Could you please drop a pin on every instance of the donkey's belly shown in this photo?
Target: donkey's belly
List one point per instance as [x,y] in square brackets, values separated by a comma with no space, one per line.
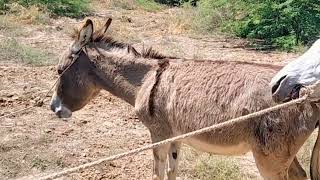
[231,149]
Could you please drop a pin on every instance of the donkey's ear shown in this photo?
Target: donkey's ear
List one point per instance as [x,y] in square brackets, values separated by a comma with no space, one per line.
[106,26]
[84,36]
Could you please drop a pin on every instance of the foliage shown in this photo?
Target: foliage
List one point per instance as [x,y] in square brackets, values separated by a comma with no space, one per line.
[213,14]
[176,2]
[3,5]
[149,5]
[282,23]
[70,8]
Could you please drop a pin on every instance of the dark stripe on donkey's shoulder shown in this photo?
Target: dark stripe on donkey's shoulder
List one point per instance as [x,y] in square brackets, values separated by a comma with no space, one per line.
[163,64]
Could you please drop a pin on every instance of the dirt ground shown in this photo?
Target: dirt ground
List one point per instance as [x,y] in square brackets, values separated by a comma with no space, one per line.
[37,142]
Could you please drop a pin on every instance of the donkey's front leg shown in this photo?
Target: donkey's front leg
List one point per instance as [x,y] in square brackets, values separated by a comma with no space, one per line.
[159,162]
[173,154]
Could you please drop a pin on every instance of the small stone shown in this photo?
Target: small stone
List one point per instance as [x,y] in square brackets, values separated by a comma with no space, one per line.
[112,164]
[67,132]
[84,121]
[10,95]
[59,28]
[2,100]
[38,103]
[47,130]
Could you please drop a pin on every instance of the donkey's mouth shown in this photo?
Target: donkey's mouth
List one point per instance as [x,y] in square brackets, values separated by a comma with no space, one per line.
[63,112]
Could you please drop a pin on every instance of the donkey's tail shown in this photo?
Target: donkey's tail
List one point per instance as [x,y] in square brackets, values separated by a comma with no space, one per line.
[315,159]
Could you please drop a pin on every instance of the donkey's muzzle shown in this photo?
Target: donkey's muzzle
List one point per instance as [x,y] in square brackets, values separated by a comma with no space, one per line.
[58,108]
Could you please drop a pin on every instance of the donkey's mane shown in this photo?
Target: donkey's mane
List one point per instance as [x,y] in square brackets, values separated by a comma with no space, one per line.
[100,37]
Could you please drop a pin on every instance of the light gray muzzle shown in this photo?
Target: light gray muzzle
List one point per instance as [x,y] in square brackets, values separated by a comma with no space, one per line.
[58,108]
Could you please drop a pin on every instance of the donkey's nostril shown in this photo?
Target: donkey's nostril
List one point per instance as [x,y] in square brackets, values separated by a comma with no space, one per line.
[59,113]
[276,86]
[52,107]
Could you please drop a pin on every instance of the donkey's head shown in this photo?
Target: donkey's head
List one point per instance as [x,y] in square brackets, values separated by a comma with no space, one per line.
[76,85]
[303,71]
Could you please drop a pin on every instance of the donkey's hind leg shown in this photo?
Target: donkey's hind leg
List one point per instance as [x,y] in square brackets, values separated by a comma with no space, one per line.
[296,172]
[271,167]
[174,154]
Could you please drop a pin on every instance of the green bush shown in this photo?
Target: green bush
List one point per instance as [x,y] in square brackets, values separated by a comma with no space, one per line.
[217,14]
[70,8]
[149,5]
[282,23]
[3,5]
[176,2]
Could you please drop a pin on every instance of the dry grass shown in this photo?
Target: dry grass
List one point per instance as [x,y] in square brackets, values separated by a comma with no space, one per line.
[219,168]
[15,162]
[11,49]
[21,22]
[127,4]
[10,28]
[14,22]
[204,166]
[144,5]
[31,15]
[17,24]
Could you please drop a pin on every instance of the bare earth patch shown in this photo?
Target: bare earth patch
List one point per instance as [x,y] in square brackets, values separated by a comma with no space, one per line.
[36,142]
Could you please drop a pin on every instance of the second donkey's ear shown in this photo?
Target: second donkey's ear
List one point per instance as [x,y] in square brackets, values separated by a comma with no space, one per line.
[106,26]
[84,36]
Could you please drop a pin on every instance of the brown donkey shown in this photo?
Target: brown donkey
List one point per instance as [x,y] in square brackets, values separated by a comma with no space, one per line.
[173,96]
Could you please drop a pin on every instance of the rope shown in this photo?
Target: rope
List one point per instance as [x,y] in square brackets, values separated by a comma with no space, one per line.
[170,140]
[41,102]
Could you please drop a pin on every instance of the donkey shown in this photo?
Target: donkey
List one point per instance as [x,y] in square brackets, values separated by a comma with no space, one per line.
[172,96]
[291,79]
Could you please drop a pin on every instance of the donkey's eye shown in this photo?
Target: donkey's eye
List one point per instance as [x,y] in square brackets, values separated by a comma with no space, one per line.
[60,71]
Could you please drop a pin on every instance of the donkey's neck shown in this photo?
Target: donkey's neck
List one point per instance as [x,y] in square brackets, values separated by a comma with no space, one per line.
[121,72]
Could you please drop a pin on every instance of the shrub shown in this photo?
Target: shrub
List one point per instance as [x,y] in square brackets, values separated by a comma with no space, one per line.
[149,5]
[3,5]
[213,14]
[282,23]
[176,2]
